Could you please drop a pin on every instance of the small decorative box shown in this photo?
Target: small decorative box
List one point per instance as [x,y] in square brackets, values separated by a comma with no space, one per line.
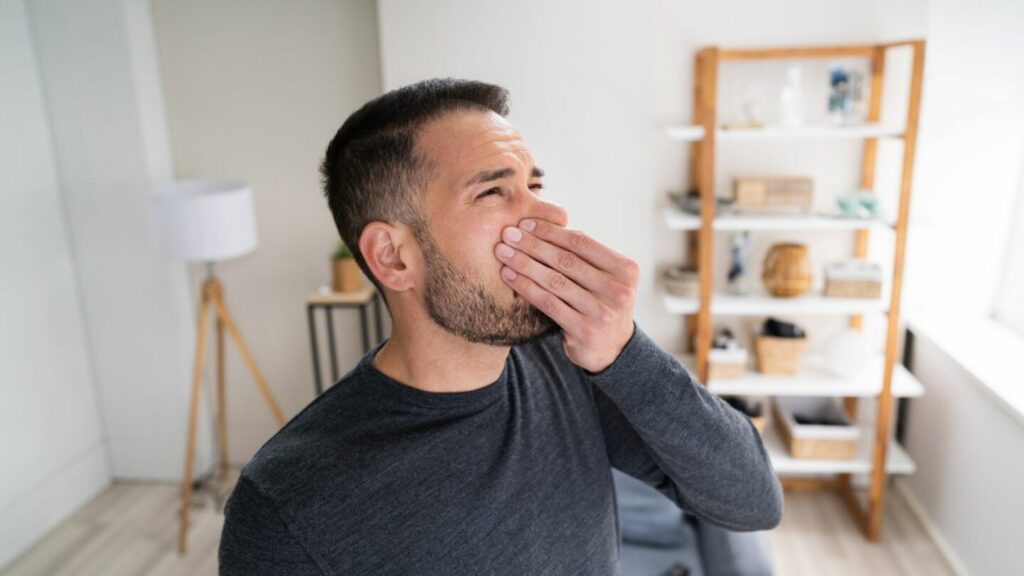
[757,192]
[853,279]
[727,362]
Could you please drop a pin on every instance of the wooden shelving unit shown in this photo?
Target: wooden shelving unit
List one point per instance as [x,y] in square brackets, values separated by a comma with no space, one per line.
[885,379]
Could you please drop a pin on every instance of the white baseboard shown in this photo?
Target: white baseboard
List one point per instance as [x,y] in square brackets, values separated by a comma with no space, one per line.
[933,531]
[51,502]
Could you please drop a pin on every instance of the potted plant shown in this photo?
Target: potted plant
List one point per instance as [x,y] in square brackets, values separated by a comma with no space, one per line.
[347,276]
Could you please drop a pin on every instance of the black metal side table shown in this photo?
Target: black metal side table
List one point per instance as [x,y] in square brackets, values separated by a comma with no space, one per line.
[362,299]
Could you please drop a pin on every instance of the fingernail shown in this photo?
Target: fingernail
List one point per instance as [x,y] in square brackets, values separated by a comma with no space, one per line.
[513,234]
[527,225]
[505,251]
[508,273]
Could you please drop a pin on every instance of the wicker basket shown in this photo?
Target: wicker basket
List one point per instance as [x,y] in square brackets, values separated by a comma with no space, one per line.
[815,441]
[853,279]
[787,270]
[840,288]
[778,355]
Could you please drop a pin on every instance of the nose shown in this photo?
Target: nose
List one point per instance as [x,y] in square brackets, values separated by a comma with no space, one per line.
[543,209]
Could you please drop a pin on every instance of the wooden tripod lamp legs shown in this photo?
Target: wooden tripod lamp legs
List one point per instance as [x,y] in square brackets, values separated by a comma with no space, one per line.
[213,295]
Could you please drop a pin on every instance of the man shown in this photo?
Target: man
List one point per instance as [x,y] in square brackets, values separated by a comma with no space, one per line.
[479,438]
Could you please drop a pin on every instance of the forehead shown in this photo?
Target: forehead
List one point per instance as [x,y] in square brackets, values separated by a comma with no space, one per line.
[461,143]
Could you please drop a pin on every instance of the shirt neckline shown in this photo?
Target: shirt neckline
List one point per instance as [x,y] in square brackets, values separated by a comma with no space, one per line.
[405,393]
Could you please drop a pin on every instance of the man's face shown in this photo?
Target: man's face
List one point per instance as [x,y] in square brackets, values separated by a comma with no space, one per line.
[483,179]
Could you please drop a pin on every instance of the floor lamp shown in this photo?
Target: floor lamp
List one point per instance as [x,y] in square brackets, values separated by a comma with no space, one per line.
[209,221]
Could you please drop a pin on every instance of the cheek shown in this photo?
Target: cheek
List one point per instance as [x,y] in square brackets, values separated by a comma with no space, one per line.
[479,245]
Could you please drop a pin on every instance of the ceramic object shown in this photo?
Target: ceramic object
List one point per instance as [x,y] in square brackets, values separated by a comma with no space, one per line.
[846,353]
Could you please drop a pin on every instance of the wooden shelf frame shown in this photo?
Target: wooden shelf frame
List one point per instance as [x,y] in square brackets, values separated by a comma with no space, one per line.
[704,136]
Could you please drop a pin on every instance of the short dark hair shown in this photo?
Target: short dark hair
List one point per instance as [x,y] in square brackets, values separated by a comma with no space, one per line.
[372,171]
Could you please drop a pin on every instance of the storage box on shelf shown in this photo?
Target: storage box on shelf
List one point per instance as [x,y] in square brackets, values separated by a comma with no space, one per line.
[853,279]
[883,377]
[817,440]
[778,355]
[772,192]
[727,363]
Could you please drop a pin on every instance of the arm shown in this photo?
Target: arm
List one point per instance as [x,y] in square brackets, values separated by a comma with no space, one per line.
[660,425]
[256,541]
[664,428]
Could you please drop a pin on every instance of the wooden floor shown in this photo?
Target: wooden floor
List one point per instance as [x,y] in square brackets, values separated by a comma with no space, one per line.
[130,529]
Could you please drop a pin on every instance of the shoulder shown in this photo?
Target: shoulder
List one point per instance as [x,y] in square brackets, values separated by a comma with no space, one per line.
[313,439]
[256,538]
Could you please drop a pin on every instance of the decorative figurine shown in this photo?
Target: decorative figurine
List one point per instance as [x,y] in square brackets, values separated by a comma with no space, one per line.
[739,247]
[840,93]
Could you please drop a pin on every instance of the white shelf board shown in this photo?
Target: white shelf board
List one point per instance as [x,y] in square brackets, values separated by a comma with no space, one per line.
[763,305]
[690,133]
[897,459]
[813,380]
[678,220]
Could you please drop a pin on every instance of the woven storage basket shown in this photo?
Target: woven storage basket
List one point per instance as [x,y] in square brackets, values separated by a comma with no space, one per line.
[778,355]
[815,441]
[853,279]
[841,288]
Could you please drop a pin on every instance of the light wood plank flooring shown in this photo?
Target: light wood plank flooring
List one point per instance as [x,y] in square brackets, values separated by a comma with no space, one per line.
[130,529]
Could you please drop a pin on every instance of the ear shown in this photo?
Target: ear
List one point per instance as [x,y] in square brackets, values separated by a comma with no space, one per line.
[391,253]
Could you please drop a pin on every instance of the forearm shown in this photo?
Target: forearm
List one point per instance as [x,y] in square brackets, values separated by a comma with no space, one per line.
[711,455]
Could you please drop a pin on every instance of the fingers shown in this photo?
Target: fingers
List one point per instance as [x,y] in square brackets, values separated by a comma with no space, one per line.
[562,261]
[549,279]
[545,301]
[577,242]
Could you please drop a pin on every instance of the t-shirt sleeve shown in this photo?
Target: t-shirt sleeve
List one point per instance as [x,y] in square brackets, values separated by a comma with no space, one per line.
[663,427]
[256,541]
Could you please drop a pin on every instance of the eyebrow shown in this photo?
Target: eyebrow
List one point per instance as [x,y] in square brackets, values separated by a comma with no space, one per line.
[498,174]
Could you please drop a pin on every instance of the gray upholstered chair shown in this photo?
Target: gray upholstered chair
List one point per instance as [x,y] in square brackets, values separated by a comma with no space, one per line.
[660,539]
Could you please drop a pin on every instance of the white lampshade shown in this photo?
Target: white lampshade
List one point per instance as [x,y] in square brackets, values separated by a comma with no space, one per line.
[205,220]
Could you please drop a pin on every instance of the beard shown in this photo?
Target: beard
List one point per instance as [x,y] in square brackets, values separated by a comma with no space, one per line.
[466,309]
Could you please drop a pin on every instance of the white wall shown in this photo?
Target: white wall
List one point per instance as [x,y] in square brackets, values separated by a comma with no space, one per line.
[98,70]
[967,443]
[967,446]
[971,157]
[255,91]
[52,452]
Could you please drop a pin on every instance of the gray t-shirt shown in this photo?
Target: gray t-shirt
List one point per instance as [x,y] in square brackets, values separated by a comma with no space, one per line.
[377,477]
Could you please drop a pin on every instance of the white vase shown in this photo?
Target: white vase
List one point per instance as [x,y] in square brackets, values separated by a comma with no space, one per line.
[846,352]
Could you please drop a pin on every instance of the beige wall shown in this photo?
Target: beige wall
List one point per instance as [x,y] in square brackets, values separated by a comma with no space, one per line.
[255,90]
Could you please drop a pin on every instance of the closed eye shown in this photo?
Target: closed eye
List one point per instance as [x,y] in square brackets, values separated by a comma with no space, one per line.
[536,187]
